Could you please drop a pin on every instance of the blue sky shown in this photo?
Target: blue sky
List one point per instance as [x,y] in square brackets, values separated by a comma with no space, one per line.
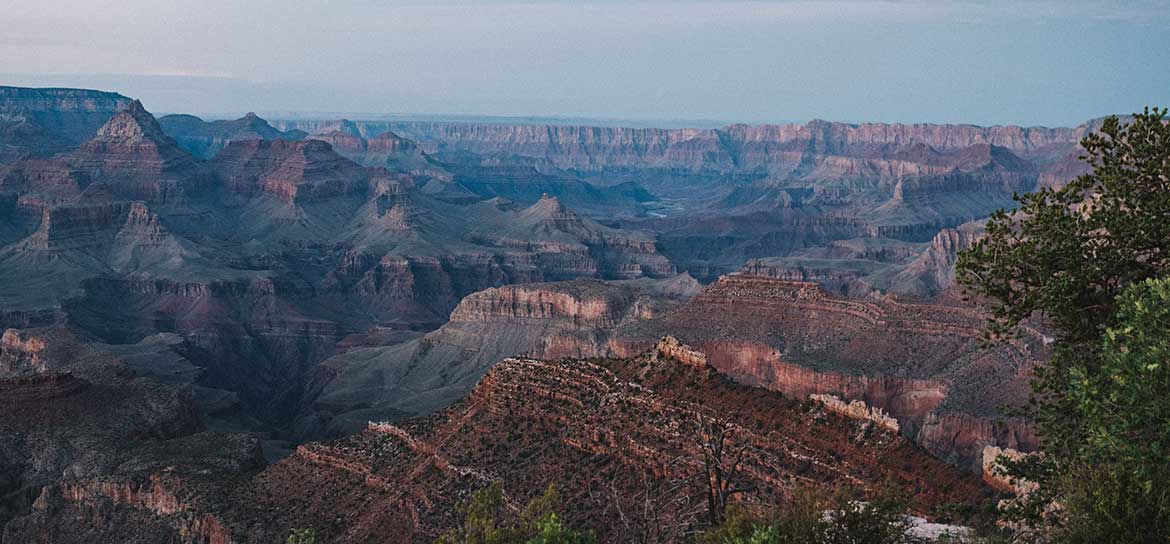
[983,62]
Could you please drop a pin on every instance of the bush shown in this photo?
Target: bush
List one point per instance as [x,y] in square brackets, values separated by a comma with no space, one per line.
[1111,503]
[550,530]
[486,521]
[302,536]
[812,518]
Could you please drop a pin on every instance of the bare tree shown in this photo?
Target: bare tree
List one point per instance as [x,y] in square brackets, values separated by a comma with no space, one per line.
[722,463]
[663,509]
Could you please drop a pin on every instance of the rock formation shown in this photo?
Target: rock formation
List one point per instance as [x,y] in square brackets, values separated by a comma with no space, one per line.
[919,363]
[630,423]
[164,278]
[80,431]
[41,122]
[551,320]
[857,409]
[135,159]
[205,139]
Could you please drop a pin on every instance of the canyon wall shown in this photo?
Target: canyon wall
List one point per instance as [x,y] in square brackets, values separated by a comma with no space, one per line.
[735,146]
[920,363]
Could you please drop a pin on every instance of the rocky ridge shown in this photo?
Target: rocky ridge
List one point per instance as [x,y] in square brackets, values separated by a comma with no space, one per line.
[920,364]
[628,422]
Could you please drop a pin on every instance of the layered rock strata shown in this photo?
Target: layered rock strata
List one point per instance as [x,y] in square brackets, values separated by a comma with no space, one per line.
[921,364]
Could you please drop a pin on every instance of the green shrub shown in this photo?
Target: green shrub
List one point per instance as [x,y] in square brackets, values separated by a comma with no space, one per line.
[486,521]
[302,536]
[813,518]
[550,530]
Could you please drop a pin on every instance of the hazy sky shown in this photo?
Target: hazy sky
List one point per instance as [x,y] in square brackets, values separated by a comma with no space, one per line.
[985,62]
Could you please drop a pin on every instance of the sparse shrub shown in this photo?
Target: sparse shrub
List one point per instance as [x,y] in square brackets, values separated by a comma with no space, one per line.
[882,520]
[487,521]
[302,536]
[550,530]
[813,518]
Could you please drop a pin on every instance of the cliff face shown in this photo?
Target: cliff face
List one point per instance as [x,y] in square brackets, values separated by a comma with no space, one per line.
[246,334]
[933,271]
[563,319]
[742,192]
[42,122]
[413,257]
[80,433]
[736,146]
[630,422]
[920,363]
[289,170]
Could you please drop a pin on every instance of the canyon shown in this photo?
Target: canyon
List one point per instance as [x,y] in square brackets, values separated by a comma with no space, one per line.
[220,330]
[601,430]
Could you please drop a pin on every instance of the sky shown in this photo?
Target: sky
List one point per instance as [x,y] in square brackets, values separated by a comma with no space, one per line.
[985,62]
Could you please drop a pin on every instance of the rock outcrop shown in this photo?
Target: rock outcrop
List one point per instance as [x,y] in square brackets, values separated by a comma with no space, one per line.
[933,272]
[857,409]
[135,159]
[670,348]
[42,122]
[552,320]
[79,431]
[921,364]
[289,170]
[993,471]
[205,139]
[631,423]
[735,146]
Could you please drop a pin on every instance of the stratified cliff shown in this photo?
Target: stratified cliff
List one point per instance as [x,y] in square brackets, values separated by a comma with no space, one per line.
[920,363]
[728,195]
[549,320]
[41,122]
[164,278]
[605,431]
[733,147]
[135,159]
[82,435]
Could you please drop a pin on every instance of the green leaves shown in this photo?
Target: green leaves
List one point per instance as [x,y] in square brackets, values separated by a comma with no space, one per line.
[1090,261]
[302,536]
[487,521]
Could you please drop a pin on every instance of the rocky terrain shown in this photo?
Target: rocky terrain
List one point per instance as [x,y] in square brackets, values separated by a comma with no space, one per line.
[718,197]
[546,320]
[922,364]
[86,425]
[41,122]
[605,431]
[188,306]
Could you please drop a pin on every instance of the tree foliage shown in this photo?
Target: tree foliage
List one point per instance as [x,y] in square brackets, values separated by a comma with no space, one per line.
[1065,257]
[302,536]
[815,518]
[486,520]
[1066,254]
[1119,486]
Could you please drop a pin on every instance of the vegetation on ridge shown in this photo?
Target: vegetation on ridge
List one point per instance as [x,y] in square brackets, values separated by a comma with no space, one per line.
[487,520]
[1091,261]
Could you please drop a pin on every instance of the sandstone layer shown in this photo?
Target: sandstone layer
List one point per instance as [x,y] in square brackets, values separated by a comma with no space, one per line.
[920,363]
